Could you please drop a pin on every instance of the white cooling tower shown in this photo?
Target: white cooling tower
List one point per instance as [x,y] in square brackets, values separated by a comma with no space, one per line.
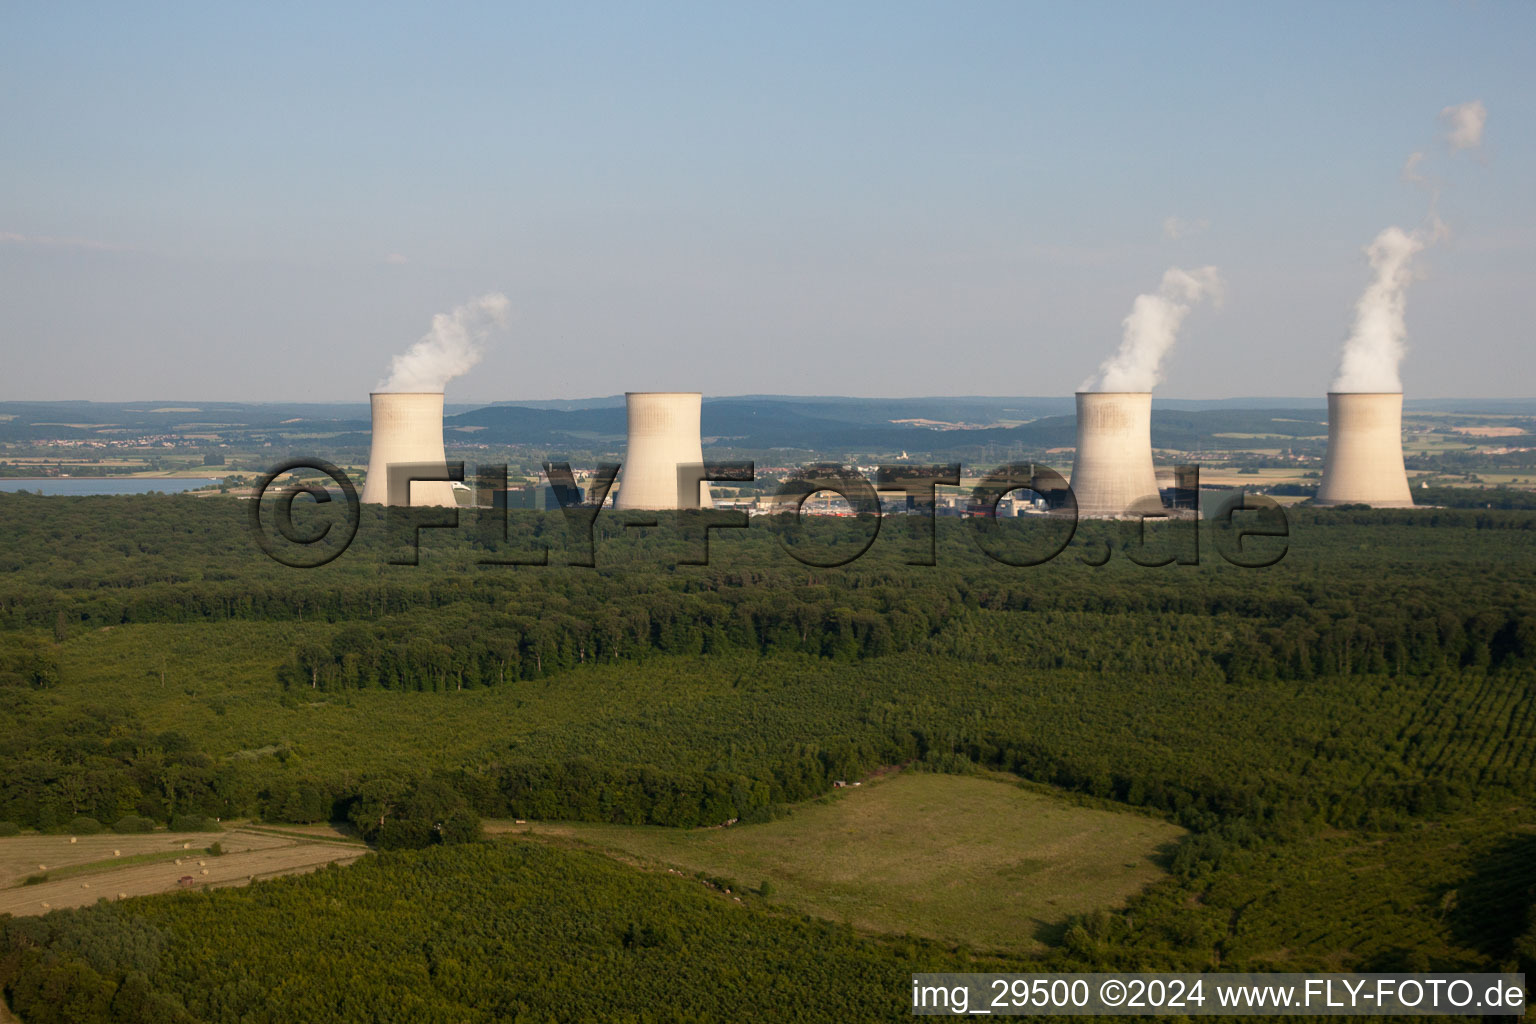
[1364,465]
[407,429]
[1112,470]
[663,435]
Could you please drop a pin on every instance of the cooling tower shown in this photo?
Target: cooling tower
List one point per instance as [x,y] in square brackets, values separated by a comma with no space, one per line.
[1364,465]
[663,435]
[407,429]
[1112,470]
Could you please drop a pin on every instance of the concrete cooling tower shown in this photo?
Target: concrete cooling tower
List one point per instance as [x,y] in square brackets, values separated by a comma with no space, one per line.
[663,435]
[1112,470]
[1364,465]
[407,429]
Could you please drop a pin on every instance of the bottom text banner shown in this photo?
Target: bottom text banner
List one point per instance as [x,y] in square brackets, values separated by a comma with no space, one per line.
[1224,994]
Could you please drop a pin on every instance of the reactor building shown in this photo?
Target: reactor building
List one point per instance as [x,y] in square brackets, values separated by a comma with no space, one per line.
[1364,464]
[1112,472]
[407,429]
[663,436]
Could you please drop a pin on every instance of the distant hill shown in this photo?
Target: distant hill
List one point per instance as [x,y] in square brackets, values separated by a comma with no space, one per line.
[868,425]
[827,424]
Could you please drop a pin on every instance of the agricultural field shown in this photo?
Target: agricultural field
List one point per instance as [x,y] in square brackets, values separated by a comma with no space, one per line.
[979,860]
[47,872]
[1228,476]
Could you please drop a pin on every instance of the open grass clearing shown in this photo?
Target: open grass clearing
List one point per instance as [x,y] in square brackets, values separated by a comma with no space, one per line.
[976,859]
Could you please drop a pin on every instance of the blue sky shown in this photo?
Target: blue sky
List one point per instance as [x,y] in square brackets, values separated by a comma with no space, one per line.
[268,202]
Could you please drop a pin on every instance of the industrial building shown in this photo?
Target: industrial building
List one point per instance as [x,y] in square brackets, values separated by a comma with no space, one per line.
[663,436]
[407,430]
[1364,464]
[1112,472]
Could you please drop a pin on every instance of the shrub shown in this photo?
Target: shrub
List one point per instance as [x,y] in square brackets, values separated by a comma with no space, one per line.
[460,827]
[1079,943]
[216,850]
[193,823]
[85,826]
[9,828]
[37,879]
[647,936]
[405,834]
[133,824]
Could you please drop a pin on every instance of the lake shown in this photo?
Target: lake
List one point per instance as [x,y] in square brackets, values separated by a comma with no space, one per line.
[105,484]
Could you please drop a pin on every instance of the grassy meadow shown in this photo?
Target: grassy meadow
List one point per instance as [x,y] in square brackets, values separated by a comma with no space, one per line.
[980,860]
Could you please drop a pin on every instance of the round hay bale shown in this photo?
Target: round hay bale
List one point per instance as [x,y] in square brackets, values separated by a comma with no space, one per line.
[178,862]
[204,871]
[122,895]
[186,846]
[42,867]
[45,906]
[73,839]
[85,885]
[117,853]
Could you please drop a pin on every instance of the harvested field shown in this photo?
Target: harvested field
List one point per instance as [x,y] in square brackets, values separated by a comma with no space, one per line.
[1489,431]
[82,872]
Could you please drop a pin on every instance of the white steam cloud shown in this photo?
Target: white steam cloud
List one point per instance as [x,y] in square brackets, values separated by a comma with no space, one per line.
[1373,354]
[455,343]
[1152,328]
[1377,342]
[1464,124]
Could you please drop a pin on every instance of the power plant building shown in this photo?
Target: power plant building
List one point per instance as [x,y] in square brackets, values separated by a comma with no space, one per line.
[1112,472]
[407,430]
[663,436]
[1364,464]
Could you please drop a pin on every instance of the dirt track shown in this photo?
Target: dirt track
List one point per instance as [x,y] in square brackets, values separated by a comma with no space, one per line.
[247,854]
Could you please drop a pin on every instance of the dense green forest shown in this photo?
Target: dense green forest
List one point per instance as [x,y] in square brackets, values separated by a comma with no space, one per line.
[1361,713]
[1358,619]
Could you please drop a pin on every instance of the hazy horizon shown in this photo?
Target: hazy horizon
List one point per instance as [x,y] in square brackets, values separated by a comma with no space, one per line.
[1319,400]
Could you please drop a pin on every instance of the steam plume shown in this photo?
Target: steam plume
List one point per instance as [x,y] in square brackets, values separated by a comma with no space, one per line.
[1376,344]
[1152,328]
[1374,352]
[454,344]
